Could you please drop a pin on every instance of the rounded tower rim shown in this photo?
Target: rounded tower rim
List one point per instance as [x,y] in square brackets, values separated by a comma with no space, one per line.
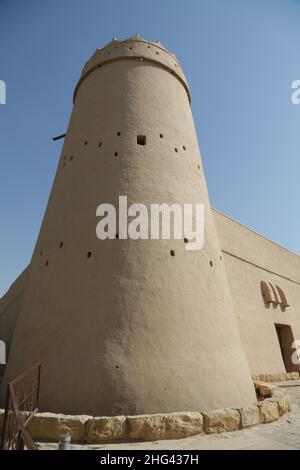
[151,52]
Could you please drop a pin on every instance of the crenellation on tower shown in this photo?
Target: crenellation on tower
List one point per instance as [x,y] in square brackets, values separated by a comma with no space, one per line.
[134,48]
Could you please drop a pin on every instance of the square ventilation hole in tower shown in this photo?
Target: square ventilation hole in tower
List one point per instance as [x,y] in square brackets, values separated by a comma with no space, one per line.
[141,140]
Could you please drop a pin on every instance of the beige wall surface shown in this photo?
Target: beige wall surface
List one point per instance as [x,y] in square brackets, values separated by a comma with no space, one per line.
[130,328]
[10,305]
[249,259]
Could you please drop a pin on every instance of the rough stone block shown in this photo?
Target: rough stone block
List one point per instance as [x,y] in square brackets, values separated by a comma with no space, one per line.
[106,429]
[226,419]
[268,411]
[180,425]
[249,416]
[49,426]
[283,404]
[294,375]
[146,427]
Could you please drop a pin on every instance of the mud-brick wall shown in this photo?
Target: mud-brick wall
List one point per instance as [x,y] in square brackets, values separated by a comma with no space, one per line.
[250,259]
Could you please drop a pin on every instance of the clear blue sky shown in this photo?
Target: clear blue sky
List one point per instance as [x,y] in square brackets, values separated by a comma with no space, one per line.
[239,56]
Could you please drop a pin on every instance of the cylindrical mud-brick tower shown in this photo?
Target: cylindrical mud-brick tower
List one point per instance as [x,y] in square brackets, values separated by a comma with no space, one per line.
[124,326]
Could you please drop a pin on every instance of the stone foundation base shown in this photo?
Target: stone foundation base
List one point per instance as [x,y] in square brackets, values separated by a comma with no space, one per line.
[150,427]
[276,377]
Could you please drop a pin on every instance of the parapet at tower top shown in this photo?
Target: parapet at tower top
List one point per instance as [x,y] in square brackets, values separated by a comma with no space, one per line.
[135,48]
[135,38]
